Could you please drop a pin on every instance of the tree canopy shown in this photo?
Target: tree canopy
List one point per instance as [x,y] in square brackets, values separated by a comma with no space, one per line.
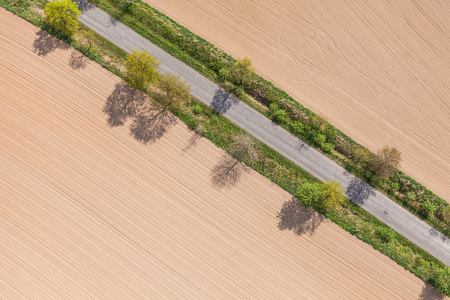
[241,72]
[386,160]
[310,194]
[140,69]
[244,147]
[62,16]
[175,90]
[333,194]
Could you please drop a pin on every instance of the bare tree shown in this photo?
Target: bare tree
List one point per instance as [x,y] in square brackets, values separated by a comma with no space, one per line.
[386,160]
[244,147]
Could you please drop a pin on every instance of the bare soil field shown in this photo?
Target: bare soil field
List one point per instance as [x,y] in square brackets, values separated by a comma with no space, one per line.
[89,212]
[378,70]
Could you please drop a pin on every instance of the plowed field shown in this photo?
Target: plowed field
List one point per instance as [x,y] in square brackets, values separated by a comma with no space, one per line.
[89,212]
[378,70]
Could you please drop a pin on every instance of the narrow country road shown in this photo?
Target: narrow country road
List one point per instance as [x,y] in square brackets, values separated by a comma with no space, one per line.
[276,137]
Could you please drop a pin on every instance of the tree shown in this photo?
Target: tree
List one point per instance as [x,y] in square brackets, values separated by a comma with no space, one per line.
[310,194]
[140,69]
[174,89]
[244,147]
[386,160]
[333,194]
[241,72]
[62,16]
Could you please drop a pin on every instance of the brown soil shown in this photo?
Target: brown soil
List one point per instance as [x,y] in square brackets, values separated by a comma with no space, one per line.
[378,70]
[88,212]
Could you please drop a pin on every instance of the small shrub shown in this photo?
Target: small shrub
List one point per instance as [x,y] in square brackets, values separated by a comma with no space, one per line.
[319,139]
[423,264]
[197,109]
[395,186]
[331,133]
[386,234]
[327,148]
[428,208]
[441,279]
[281,117]
[224,74]
[297,127]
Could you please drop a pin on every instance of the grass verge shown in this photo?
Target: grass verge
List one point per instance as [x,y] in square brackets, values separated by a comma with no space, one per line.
[271,164]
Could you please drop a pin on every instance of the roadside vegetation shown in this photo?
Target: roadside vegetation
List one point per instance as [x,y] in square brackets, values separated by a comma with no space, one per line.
[172,95]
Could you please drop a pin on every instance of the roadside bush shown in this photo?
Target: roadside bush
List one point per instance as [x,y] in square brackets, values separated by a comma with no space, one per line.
[319,139]
[441,280]
[224,74]
[331,133]
[198,109]
[386,234]
[297,127]
[281,117]
[428,208]
[327,148]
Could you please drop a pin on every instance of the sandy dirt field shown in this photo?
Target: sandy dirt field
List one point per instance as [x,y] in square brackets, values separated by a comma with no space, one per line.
[89,212]
[379,70]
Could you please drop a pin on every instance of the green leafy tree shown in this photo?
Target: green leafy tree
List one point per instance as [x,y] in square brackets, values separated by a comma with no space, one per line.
[241,71]
[140,69]
[62,16]
[333,194]
[174,90]
[310,194]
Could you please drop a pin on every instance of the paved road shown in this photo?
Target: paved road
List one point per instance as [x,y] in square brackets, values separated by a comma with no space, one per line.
[276,137]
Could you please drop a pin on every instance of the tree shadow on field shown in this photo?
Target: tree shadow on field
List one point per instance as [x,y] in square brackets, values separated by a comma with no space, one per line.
[124,102]
[222,101]
[430,293]
[46,43]
[358,191]
[298,218]
[78,60]
[150,124]
[192,141]
[227,172]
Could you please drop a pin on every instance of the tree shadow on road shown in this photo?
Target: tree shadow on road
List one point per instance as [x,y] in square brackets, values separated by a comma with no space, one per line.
[227,172]
[150,124]
[222,101]
[124,102]
[46,43]
[430,293]
[358,191]
[298,218]
[78,60]
[441,236]
[84,5]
